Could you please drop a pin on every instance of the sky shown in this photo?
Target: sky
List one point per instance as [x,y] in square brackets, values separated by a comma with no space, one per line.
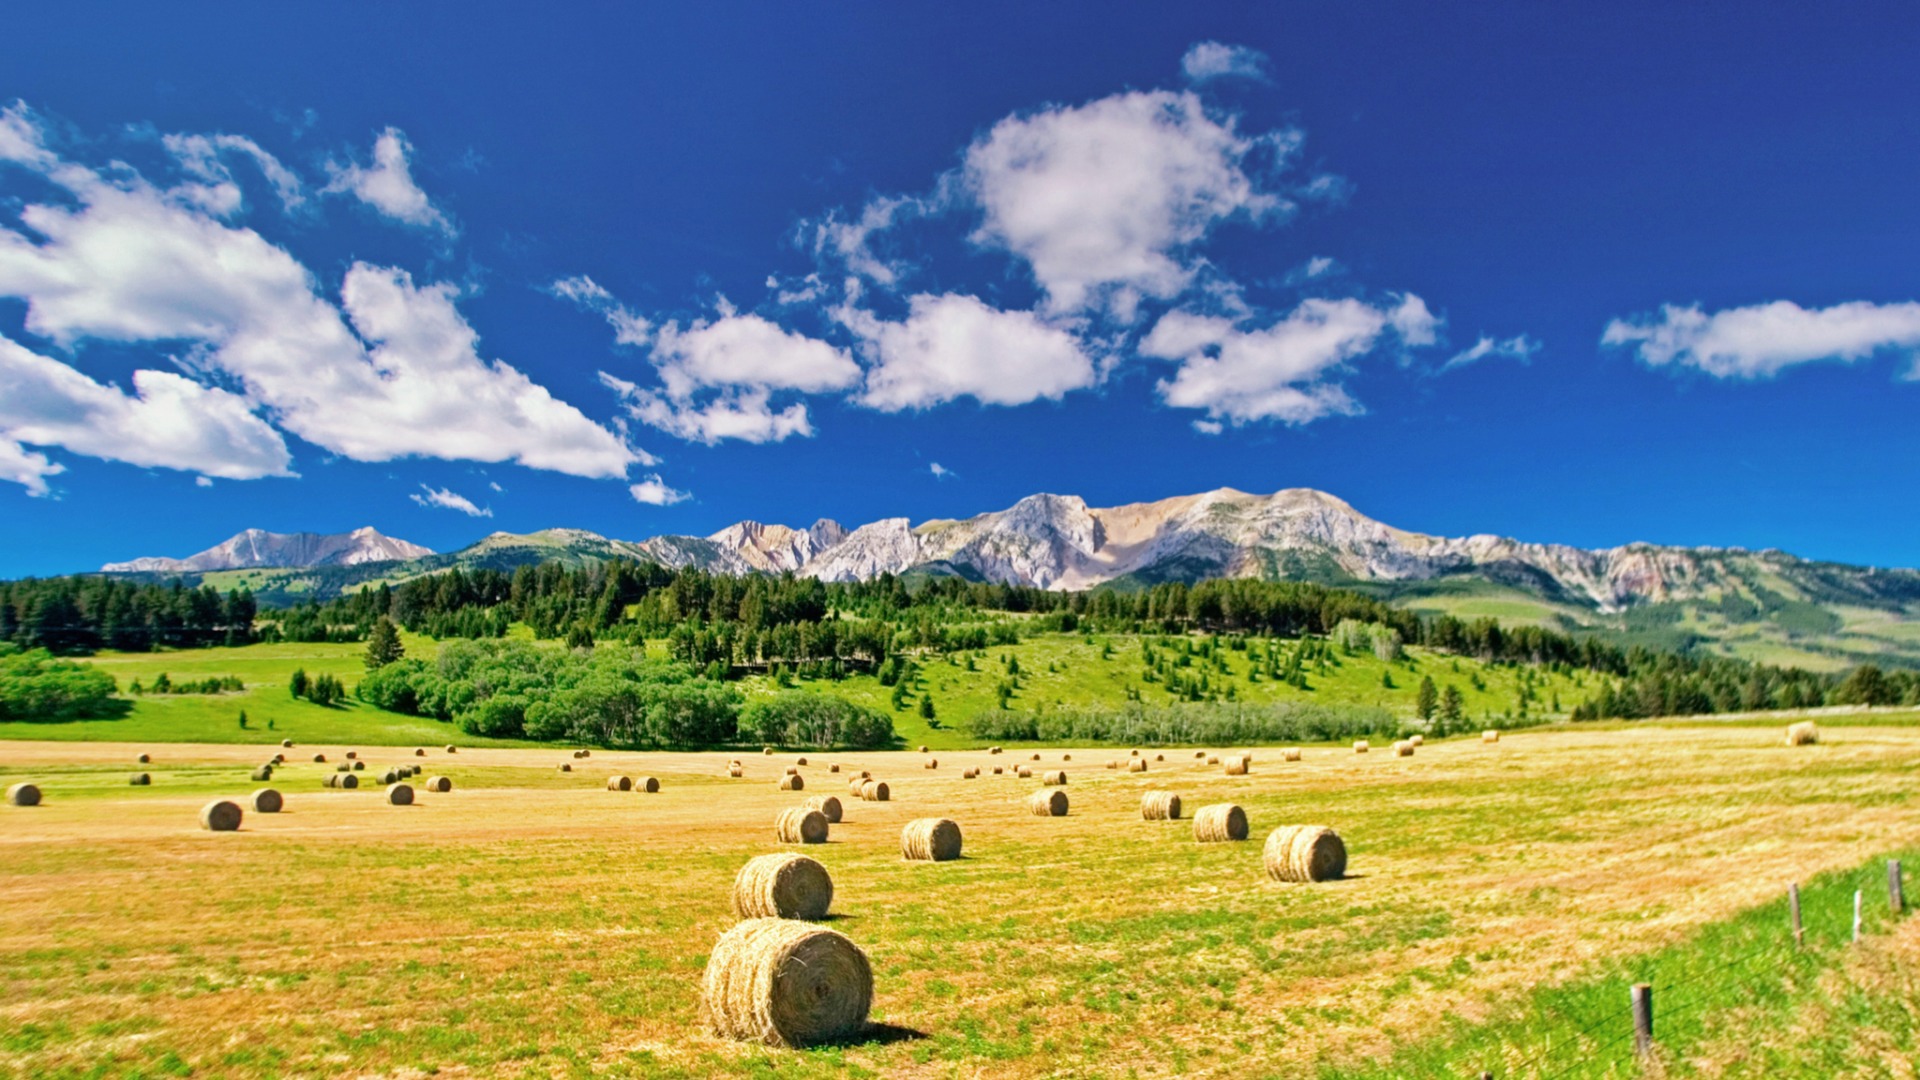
[1575,273]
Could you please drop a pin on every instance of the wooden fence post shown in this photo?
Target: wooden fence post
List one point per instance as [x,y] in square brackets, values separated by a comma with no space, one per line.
[1642,1019]
[1896,892]
[1793,908]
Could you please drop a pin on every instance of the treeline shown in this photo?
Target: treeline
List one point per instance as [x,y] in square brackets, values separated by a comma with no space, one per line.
[612,695]
[165,684]
[1222,724]
[72,616]
[1662,684]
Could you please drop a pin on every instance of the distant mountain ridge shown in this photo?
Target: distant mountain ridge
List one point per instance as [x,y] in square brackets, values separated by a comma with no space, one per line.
[254,548]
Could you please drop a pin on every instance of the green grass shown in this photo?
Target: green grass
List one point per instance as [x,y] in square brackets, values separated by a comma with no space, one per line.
[1743,973]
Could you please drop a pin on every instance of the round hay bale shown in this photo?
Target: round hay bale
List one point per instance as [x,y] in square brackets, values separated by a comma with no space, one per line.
[1219,823]
[586,753]
[1417,739]
[876,791]
[332,780]
[799,825]
[1804,733]
[1213,759]
[1360,746]
[1160,806]
[1237,766]
[799,761]
[319,758]
[969,774]
[1200,754]
[1113,764]
[351,754]
[1133,753]
[619,783]
[439,784]
[835,767]
[1159,757]
[264,772]
[1036,757]
[767,750]
[1291,753]
[286,744]
[343,767]
[220,816]
[997,770]
[923,748]
[566,766]
[1066,757]
[735,771]
[785,885]
[399,794]
[347,781]
[1305,853]
[781,982]
[828,805]
[793,770]
[993,749]
[142,759]
[1056,778]
[865,775]
[140,779]
[648,784]
[1403,748]
[452,749]
[392,776]
[266,801]
[1138,764]
[793,782]
[931,763]
[1048,802]
[1024,772]
[854,784]
[419,751]
[359,765]
[279,759]
[23,795]
[930,840]
[1489,735]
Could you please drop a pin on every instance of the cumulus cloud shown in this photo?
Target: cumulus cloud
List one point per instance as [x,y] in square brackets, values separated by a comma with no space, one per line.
[124,261]
[628,328]
[1763,340]
[387,185]
[743,413]
[952,346]
[1213,60]
[1519,347]
[1286,371]
[1104,200]
[654,491]
[215,190]
[449,500]
[18,465]
[169,421]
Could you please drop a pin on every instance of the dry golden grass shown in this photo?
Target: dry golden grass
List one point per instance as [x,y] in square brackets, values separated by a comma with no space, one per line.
[518,925]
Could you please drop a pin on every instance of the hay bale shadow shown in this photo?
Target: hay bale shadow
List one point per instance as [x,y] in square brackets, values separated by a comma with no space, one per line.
[886,1035]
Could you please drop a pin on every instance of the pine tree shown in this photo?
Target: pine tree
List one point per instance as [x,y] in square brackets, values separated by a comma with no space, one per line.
[1426,699]
[926,707]
[298,684]
[383,644]
[1452,705]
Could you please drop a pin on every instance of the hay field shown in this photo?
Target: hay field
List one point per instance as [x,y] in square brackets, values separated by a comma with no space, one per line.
[532,923]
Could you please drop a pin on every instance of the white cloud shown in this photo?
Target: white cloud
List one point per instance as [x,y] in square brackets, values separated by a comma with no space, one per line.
[1213,60]
[449,500]
[747,350]
[125,262]
[746,414]
[495,485]
[628,328]
[167,422]
[203,481]
[18,465]
[654,491]
[202,158]
[851,241]
[1284,371]
[939,471]
[387,184]
[1209,427]
[1763,340]
[1104,200]
[953,346]
[1519,347]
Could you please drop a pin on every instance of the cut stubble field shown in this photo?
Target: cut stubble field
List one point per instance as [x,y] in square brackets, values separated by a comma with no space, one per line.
[530,922]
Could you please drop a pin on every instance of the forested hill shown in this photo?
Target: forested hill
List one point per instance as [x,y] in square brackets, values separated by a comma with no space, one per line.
[726,625]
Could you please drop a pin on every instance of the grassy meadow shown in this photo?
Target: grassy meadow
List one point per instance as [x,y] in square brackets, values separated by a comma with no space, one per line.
[1056,670]
[1500,899]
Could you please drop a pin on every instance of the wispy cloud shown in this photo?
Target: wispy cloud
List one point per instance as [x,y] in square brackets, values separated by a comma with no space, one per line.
[940,472]
[387,185]
[1763,340]
[1213,60]
[1519,347]
[654,491]
[449,500]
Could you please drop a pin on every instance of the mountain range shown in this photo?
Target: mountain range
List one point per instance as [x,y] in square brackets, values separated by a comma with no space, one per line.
[1759,600]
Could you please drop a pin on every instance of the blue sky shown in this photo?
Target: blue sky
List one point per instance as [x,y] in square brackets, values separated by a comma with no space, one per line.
[1575,273]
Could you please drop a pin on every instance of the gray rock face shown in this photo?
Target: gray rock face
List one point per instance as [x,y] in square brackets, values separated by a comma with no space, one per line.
[259,548]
